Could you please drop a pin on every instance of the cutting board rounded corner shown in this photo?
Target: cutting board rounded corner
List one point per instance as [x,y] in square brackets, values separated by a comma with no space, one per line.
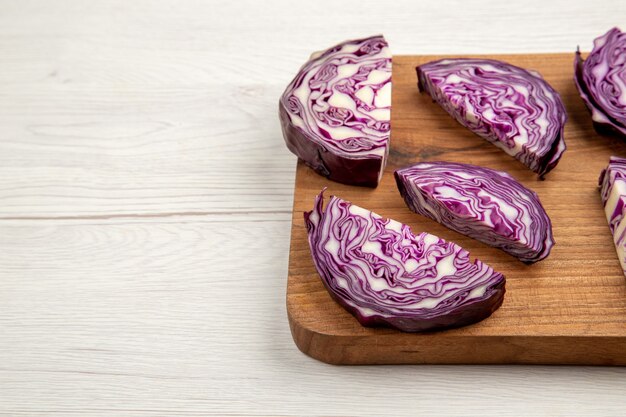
[316,345]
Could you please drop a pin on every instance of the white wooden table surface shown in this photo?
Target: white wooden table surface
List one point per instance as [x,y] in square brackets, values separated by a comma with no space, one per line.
[145,196]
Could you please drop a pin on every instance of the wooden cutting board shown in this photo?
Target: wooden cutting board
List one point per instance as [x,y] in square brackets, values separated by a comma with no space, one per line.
[567,309]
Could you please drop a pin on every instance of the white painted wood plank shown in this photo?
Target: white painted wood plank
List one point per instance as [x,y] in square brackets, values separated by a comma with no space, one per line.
[108,101]
[144,318]
[149,151]
[145,198]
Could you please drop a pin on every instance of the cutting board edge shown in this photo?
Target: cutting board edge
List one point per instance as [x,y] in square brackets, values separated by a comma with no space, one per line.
[432,349]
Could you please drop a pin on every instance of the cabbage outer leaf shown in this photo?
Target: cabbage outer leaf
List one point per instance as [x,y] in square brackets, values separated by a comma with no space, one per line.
[613,193]
[383,274]
[513,108]
[601,82]
[488,205]
[335,114]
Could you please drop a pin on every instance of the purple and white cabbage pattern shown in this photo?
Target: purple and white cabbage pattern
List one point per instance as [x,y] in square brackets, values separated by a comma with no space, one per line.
[383,274]
[487,205]
[601,81]
[513,108]
[336,112]
[613,193]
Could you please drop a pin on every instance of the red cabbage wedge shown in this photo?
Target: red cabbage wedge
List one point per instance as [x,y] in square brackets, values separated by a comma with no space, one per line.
[335,114]
[384,275]
[487,205]
[513,108]
[601,81]
[613,194]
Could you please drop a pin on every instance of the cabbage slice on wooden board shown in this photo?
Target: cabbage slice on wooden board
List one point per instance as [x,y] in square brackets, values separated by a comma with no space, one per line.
[335,114]
[487,205]
[601,82]
[384,275]
[513,108]
[613,193]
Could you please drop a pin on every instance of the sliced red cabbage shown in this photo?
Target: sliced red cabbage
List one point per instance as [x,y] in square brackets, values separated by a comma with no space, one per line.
[383,274]
[487,205]
[335,114]
[513,108]
[613,193]
[601,81]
